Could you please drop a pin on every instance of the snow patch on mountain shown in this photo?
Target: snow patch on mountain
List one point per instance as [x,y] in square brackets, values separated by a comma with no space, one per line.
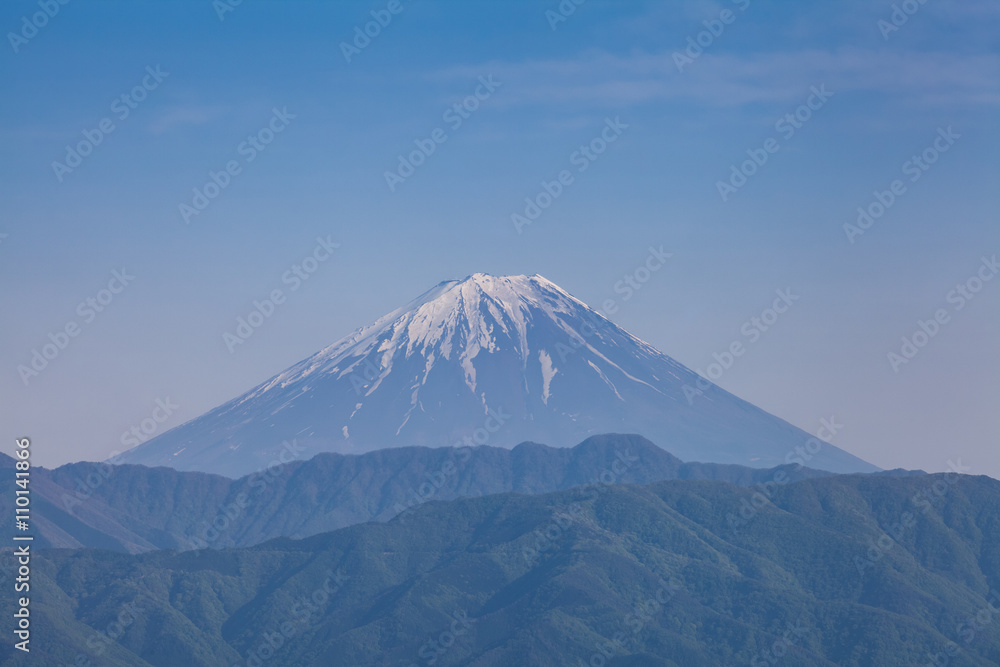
[548,372]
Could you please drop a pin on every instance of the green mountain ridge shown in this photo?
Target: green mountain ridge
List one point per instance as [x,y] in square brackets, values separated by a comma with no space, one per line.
[134,509]
[845,570]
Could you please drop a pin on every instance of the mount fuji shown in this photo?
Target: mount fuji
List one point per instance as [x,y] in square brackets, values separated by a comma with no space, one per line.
[484,360]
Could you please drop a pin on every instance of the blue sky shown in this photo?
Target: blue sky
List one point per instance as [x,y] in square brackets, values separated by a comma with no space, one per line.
[345,124]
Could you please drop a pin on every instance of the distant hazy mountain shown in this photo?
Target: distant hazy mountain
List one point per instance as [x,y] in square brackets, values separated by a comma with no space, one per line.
[843,570]
[134,508]
[490,360]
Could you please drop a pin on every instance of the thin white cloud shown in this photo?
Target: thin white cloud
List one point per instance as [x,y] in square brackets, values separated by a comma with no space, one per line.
[184,115]
[603,79]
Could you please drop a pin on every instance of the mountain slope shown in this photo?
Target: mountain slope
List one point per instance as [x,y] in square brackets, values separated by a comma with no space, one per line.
[133,508]
[497,360]
[653,575]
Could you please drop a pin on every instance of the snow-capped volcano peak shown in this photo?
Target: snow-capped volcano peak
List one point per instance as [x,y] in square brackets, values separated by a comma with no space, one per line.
[487,359]
[457,320]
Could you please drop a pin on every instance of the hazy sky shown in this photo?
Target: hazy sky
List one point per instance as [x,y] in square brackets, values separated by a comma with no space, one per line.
[278,72]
